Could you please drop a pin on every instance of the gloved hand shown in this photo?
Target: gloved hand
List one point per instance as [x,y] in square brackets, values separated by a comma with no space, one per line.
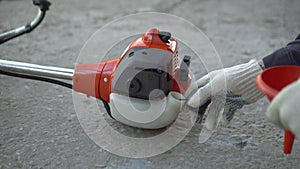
[284,110]
[240,90]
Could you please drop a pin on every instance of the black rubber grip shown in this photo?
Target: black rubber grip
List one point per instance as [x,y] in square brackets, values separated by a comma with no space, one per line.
[43,4]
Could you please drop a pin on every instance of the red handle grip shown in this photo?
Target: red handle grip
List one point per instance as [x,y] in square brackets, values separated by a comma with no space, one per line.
[288,141]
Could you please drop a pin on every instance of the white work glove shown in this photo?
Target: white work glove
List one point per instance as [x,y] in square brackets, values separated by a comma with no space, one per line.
[240,90]
[284,110]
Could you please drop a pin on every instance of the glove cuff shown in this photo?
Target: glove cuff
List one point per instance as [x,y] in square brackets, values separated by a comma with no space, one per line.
[245,75]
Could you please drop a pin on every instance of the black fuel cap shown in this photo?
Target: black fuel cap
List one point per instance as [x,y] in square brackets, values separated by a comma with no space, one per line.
[164,36]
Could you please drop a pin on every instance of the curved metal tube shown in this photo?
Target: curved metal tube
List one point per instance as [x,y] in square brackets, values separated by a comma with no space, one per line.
[23,29]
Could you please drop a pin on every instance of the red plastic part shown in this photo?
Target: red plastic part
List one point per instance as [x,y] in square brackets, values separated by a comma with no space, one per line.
[180,86]
[86,79]
[95,79]
[288,142]
[106,78]
[151,39]
[271,81]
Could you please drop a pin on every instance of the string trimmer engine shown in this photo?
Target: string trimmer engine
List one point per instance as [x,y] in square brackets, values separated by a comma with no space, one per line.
[144,87]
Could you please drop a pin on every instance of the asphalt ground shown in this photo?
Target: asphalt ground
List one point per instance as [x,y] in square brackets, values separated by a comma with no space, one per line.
[38,124]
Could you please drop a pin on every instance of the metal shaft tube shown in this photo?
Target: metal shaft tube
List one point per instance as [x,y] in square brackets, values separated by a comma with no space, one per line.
[34,69]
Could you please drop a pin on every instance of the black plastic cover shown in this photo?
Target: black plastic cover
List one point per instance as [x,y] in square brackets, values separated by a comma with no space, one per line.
[141,72]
